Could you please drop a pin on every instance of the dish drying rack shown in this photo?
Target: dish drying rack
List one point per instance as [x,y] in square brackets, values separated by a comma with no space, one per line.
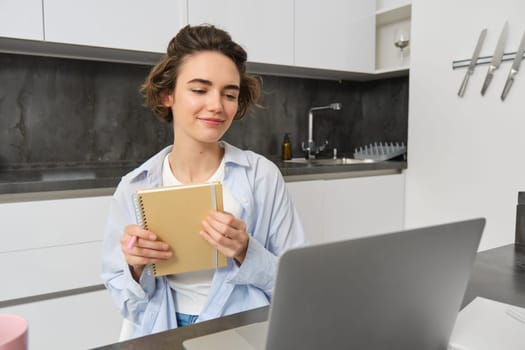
[379,151]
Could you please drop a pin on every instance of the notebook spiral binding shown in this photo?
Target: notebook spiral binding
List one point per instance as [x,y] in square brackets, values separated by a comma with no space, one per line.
[141,218]
[139,210]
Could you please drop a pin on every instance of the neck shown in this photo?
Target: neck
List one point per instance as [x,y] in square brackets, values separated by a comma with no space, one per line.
[195,163]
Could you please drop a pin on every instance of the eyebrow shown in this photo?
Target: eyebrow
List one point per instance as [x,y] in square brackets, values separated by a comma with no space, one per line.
[207,82]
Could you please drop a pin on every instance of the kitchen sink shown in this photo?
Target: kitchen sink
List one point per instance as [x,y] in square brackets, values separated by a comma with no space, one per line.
[328,161]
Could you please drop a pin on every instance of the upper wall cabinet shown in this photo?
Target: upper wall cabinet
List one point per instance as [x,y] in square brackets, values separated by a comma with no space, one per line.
[335,34]
[393,18]
[122,24]
[263,28]
[21,19]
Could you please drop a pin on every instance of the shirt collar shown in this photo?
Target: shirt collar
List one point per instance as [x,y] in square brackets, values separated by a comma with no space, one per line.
[234,155]
[152,168]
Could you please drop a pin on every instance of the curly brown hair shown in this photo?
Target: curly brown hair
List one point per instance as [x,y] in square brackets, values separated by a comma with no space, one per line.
[190,40]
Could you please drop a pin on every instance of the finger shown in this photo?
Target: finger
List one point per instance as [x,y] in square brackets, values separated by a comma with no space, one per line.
[231,227]
[128,242]
[152,245]
[137,256]
[233,249]
[140,260]
[140,256]
[218,226]
[219,237]
[143,250]
[228,219]
[150,253]
[135,230]
[224,249]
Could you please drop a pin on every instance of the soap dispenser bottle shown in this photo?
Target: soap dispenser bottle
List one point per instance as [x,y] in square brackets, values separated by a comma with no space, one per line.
[286,148]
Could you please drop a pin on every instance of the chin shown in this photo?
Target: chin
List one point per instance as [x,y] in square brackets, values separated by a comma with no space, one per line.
[210,139]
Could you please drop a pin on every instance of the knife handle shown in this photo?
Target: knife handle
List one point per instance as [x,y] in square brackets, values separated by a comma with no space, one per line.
[488,79]
[508,83]
[463,86]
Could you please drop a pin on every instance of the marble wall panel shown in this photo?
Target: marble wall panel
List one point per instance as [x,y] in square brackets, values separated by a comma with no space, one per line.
[56,111]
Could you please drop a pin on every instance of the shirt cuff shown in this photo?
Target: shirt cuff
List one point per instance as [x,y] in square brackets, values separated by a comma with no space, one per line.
[146,285]
[258,267]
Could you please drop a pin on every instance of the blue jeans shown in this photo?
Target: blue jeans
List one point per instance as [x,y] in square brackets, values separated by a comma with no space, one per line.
[185,319]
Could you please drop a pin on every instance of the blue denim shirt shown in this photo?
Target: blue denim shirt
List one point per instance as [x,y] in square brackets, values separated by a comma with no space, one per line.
[271,221]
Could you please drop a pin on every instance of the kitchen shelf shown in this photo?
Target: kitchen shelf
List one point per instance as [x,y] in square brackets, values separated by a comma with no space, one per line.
[392,72]
[393,14]
[387,55]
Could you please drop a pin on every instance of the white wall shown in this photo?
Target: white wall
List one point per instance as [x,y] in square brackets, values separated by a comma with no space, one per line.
[466,155]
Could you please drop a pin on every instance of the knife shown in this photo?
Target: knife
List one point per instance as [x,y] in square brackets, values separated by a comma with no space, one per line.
[515,68]
[496,58]
[473,61]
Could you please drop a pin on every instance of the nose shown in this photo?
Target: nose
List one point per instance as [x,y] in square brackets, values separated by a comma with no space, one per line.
[214,102]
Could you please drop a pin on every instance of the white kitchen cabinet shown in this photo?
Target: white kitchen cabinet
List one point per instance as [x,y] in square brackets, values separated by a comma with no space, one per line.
[123,24]
[64,236]
[391,17]
[21,19]
[82,321]
[309,199]
[340,209]
[335,34]
[263,28]
[50,270]
[363,206]
[52,247]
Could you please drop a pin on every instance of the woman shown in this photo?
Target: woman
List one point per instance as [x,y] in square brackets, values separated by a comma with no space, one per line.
[201,85]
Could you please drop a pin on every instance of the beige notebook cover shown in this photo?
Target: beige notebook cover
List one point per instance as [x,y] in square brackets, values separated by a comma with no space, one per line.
[174,214]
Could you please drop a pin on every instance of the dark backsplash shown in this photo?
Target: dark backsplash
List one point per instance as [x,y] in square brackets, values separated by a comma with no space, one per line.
[375,111]
[57,112]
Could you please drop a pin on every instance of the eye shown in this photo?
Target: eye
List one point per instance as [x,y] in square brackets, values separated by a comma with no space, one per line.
[198,91]
[231,96]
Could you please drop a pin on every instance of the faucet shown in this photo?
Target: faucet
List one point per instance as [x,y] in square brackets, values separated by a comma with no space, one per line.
[311,150]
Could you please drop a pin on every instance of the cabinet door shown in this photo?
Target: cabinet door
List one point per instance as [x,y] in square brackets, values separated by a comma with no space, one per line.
[364,206]
[332,210]
[123,24]
[308,197]
[263,28]
[21,19]
[335,34]
[81,321]
[64,236]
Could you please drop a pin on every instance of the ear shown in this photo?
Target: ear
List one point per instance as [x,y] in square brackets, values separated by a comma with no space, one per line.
[166,98]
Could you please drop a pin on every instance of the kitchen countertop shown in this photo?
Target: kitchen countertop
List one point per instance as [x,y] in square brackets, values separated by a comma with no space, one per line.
[103,179]
[292,170]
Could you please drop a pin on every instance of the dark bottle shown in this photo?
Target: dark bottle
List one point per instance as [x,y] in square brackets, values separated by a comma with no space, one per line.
[286,148]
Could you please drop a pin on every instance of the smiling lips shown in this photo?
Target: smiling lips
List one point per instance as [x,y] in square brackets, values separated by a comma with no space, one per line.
[211,121]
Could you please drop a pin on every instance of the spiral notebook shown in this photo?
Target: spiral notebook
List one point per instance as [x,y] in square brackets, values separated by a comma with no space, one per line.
[175,214]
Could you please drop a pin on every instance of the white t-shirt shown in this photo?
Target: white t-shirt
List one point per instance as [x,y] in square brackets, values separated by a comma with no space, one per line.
[192,288]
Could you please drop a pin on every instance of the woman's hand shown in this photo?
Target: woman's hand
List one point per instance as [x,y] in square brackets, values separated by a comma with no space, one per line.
[146,249]
[226,233]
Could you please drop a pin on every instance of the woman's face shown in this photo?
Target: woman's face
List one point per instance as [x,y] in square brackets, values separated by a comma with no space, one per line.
[205,99]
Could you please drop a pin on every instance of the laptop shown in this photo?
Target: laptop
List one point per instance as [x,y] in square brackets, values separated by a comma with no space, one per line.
[400,290]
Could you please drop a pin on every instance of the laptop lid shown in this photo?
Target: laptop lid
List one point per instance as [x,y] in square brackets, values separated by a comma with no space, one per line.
[401,290]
